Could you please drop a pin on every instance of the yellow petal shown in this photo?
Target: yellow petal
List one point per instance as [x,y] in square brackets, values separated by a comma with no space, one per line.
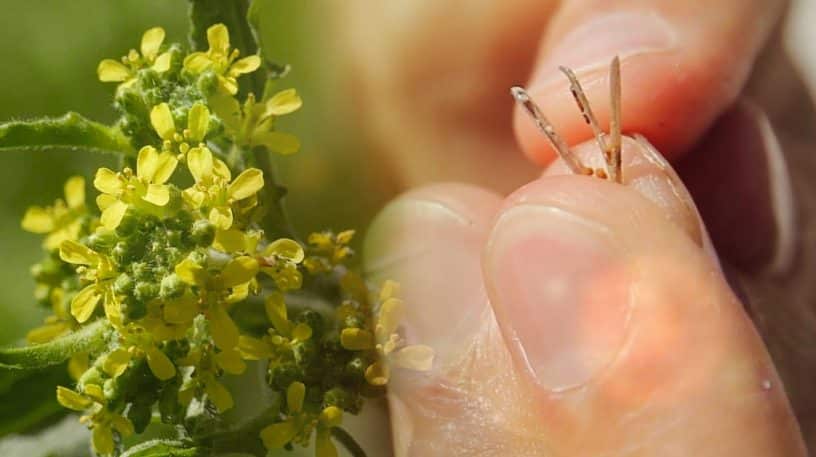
[47,332]
[284,102]
[75,191]
[218,394]
[228,84]
[277,435]
[389,289]
[282,143]
[194,197]
[157,194]
[287,249]
[276,312]
[113,309]
[72,400]
[162,62]
[324,447]
[230,361]
[198,121]
[78,254]
[166,166]
[191,272]
[221,170]
[151,42]
[331,416]
[389,318]
[246,65]
[107,181]
[356,339]
[254,348]
[246,184]
[197,62]
[232,240]
[122,425]
[38,220]
[147,162]
[102,439]
[221,217]
[84,303]
[227,109]
[416,357]
[377,374]
[103,201]
[116,362]
[239,271]
[200,163]
[78,365]
[162,120]
[159,363]
[301,332]
[295,394]
[345,237]
[110,70]
[218,39]
[181,310]
[113,214]
[223,329]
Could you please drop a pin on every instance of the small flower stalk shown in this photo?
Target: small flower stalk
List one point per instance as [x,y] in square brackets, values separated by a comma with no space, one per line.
[174,258]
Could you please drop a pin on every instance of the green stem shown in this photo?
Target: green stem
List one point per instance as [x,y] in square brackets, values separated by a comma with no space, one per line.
[348,442]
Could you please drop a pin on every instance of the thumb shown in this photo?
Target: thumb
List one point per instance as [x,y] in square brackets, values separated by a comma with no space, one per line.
[683,63]
[623,326]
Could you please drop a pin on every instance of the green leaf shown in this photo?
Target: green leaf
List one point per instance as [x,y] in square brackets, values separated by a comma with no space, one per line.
[70,131]
[163,448]
[29,399]
[91,338]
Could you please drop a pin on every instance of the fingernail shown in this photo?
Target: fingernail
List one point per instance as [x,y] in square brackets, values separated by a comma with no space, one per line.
[562,290]
[432,249]
[592,45]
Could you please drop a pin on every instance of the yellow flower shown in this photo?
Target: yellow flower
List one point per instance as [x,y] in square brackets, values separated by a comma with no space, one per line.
[110,70]
[298,425]
[328,250]
[218,290]
[100,419]
[147,185]
[221,60]
[280,261]
[285,331]
[214,191]
[391,348]
[207,364]
[100,272]
[63,220]
[137,344]
[254,124]
[198,123]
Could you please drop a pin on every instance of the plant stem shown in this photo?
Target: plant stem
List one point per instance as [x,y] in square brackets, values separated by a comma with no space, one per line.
[348,442]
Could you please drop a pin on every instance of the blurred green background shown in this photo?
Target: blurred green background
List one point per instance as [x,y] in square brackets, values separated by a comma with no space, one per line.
[49,56]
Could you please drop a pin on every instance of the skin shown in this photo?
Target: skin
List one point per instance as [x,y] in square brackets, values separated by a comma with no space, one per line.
[571,316]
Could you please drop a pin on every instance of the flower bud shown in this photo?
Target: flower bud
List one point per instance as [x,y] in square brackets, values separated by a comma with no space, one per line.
[171,286]
[124,284]
[202,233]
[145,291]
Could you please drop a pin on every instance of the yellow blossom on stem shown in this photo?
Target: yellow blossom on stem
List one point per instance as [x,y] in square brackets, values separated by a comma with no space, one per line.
[254,123]
[99,418]
[221,60]
[285,331]
[146,188]
[218,289]
[137,344]
[124,71]
[198,123]
[389,345]
[208,366]
[280,260]
[213,190]
[328,250]
[61,221]
[97,269]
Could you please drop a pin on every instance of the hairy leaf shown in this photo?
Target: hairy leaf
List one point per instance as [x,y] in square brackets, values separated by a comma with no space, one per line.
[163,448]
[91,338]
[71,131]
